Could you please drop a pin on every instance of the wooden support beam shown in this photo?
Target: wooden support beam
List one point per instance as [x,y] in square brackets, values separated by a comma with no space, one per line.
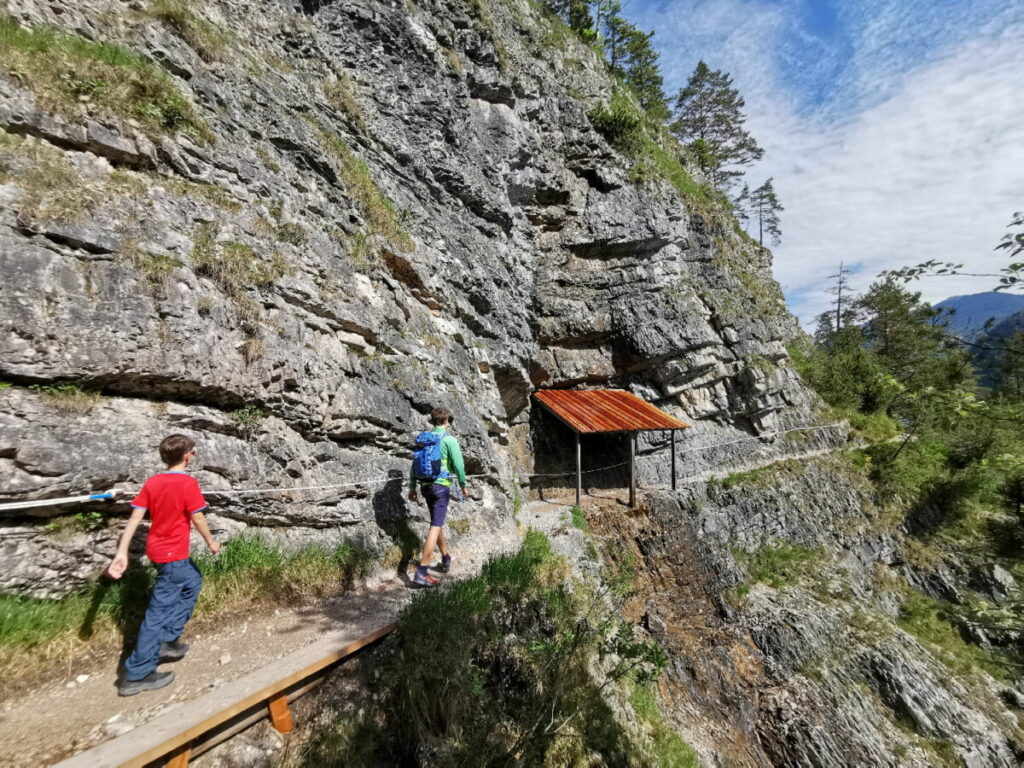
[280,715]
[632,470]
[673,459]
[579,471]
[179,757]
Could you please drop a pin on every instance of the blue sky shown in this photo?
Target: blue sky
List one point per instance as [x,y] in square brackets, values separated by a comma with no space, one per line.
[894,129]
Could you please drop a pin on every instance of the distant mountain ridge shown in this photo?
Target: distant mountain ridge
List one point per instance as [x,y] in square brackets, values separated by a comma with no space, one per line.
[968,314]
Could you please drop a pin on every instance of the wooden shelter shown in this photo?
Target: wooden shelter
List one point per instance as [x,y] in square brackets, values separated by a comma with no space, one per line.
[609,411]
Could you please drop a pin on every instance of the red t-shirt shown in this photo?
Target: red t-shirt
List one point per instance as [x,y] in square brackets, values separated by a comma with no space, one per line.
[171,499]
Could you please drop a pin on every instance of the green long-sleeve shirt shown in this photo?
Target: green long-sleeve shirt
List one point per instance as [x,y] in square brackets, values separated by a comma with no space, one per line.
[451,461]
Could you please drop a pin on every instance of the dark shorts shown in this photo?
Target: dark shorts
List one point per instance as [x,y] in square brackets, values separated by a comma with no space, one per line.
[437,497]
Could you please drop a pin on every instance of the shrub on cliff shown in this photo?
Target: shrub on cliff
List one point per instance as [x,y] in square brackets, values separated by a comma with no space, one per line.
[514,667]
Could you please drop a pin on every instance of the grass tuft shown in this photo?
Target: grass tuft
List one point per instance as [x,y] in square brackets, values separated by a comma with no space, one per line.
[207,39]
[248,570]
[81,78]
[670,750]
[69,399]
[340,94]
[777,565]
[504,676]
[381,217]
[233,266]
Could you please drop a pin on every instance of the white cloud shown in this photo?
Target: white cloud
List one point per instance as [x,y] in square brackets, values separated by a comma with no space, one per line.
[911,160]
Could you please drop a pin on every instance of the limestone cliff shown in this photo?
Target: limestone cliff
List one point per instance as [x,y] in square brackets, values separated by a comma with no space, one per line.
[290,229]
[348,213]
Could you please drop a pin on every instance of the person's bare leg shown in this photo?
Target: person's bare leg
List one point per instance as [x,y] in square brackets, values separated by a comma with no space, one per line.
[442,542]
[429,544]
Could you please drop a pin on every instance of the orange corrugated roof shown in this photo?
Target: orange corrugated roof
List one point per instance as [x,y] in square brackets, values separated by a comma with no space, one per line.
[605,410]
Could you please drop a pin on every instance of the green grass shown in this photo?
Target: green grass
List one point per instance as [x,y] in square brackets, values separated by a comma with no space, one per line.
[248,570]
[670,750]
[380,214]
[78,78]
[579,520]
[234,267]
[340,94]
[490,671]
[778,565]
[928,621]
[207,39]
[626,127]
[69,399]
[872,427]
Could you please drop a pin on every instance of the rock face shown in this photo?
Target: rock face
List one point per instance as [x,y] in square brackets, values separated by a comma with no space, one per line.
[388,207]
[808,669]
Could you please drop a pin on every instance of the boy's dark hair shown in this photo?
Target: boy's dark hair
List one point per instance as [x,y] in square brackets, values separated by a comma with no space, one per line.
[439,416]
[174,447]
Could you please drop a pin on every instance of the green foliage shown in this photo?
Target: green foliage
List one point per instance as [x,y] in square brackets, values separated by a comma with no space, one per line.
[578,520]
[621,123]
[495,670]
[234,267]
[778,565]
[381,217]
[340,94]
[80,78]
[248,569]
[929,621]
[670,750]
[709,117]
[872,427]
[249,415]
[4,385]
[630,131]
[295,234]
[208,40]
[69,399]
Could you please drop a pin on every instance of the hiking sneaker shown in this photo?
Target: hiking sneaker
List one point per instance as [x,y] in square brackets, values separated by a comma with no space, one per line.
[425,580]
[173,651]
[446,564]
[151,682]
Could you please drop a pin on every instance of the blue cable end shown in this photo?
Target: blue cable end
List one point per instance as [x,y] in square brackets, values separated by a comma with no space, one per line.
[101,496]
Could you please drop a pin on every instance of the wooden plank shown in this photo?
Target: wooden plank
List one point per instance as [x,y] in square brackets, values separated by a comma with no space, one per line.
[280,715]
[179,758]
[187,721]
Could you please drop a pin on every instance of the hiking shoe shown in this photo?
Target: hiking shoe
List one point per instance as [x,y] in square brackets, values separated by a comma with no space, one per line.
[446,564]
[151,682]
[425,580]
[173,651]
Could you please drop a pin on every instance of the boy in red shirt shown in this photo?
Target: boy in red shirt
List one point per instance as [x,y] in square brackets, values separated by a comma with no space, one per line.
[174,503]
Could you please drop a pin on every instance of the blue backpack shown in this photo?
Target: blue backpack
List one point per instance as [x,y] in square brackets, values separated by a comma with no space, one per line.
[426,457]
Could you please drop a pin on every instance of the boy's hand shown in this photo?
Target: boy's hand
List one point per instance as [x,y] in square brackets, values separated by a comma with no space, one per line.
[117,566]
[412,495]
[213,546]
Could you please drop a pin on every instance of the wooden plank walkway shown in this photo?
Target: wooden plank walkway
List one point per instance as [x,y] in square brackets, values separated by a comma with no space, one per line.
[262,693]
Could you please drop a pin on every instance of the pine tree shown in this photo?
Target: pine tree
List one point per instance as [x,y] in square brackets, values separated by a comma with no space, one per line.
[709,118]
[841,290]
[642,73]
[765,205]
[741,206]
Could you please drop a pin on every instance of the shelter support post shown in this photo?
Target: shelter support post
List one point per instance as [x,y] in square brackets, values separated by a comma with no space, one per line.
[579,471]
[673,433]
[632,470]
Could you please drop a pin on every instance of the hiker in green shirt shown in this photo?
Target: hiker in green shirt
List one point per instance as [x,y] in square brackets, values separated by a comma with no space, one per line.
[436,458]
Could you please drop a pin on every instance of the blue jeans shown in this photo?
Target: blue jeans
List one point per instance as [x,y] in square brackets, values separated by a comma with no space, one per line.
[170,606]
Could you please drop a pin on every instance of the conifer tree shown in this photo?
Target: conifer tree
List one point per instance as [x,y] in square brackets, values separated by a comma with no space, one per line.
[709,118]
[765,205]
[642,73]
[841,290]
